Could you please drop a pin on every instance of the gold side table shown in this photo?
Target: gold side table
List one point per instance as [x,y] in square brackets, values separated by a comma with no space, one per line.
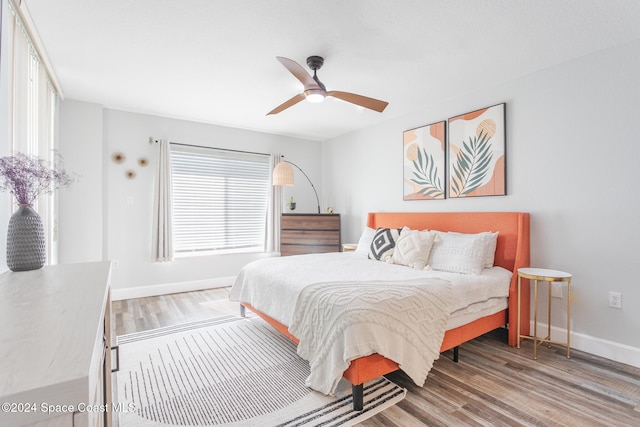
[549,276]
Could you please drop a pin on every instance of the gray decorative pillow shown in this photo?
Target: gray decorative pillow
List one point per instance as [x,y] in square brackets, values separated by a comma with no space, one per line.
[383,243]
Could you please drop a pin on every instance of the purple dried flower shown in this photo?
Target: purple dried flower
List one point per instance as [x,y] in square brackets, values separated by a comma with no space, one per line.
[29,177]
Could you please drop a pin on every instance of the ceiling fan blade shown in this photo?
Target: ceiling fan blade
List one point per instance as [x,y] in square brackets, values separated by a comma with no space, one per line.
[293,101]
[298,72]
[363,101]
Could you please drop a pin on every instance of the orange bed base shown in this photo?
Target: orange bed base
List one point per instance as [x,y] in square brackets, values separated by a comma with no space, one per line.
[512,252]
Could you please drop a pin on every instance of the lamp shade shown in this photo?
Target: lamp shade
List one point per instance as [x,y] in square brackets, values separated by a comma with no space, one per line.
[282,174]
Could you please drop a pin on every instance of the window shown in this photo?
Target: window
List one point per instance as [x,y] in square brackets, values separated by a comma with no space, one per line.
[219,200]
[34,92]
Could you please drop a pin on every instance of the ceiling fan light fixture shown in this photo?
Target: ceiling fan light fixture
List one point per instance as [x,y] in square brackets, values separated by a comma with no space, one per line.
[314,95]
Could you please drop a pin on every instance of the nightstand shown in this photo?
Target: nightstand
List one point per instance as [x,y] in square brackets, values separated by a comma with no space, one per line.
[549,276]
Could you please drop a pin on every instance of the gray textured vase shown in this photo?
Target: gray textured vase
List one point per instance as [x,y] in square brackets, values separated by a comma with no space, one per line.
[26,248]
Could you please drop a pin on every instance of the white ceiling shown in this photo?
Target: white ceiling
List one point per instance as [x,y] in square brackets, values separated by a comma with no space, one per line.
[214,61]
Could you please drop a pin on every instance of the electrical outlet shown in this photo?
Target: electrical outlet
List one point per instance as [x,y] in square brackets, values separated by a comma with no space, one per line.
[556,290]
[115,264]
[615,299]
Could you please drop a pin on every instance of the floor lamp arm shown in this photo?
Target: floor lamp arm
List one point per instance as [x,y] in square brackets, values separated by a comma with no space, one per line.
[312,186]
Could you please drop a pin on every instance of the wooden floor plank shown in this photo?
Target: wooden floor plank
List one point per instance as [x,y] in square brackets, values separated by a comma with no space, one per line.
[492,385]
[485,378]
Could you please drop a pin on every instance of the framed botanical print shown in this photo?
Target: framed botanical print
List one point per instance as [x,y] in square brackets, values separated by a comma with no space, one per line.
[424,162]
[477,146]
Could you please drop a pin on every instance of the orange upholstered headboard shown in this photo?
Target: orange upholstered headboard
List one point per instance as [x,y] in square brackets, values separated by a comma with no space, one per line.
[512,228]
[512,251]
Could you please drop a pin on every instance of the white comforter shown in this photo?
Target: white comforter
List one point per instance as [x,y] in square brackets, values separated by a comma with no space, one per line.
[288,289]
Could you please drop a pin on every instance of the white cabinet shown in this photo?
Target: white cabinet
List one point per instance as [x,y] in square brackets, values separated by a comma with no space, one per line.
[55,339]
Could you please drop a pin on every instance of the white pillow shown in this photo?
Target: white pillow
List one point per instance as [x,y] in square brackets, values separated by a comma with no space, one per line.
[413,248]
[365,241]
[490,243]
[458,253]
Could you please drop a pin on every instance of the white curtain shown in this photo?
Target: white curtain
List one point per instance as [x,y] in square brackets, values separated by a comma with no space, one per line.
[274,210]
[162,230]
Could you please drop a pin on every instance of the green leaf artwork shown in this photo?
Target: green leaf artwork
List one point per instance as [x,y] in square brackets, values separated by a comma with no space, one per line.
[473,162]
[425,174]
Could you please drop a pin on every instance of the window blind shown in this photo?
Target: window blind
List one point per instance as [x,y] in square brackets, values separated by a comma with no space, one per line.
[35,96]
[219,199]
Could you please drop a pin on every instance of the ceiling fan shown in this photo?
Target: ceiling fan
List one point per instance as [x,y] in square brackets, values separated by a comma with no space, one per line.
[315,90]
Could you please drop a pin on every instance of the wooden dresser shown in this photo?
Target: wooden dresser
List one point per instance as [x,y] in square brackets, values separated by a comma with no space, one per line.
[309,233]
[55,359]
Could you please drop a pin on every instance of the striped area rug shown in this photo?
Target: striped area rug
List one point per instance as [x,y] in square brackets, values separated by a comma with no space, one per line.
[229,371]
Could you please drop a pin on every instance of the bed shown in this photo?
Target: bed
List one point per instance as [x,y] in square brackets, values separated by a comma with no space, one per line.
[511,253]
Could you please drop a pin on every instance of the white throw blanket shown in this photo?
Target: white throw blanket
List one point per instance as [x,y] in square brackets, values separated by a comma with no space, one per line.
[340,321]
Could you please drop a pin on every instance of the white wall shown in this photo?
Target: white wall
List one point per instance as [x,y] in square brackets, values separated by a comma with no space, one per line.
[572,162]
[109,216]
[80,207]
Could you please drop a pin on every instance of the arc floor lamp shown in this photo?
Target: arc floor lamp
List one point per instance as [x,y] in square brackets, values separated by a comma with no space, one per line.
[283,175]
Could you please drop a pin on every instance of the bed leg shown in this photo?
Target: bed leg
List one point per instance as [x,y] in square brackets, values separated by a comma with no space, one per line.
[357,392]
[455,353]
[243,311]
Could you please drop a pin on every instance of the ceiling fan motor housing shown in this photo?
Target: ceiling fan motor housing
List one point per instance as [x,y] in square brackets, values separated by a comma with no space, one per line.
[315,62]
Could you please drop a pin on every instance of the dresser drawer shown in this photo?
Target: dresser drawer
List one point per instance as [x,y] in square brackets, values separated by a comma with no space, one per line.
[309,237]
[311,222]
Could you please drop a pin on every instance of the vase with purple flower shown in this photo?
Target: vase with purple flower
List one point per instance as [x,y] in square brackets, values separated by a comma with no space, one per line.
[27,178]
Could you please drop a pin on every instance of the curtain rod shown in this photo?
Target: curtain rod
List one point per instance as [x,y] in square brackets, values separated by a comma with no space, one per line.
[153,140]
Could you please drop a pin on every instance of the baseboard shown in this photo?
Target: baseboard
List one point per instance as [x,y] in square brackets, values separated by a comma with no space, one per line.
[170,288]
[600,347]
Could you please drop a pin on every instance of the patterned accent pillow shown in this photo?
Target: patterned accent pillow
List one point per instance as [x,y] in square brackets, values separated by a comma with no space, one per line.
[413,248]
[458,253]
[383,243]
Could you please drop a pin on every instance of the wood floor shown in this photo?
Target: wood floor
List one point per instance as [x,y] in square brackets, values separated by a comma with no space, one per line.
[492,385]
